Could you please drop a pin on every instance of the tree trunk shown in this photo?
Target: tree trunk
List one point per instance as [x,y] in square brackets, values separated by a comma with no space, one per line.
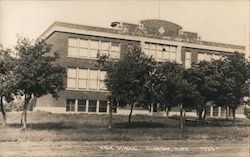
[3,112]
[184,116]
[110,114]
[200,115]
[234,117]
[181,116]
[27,101]
[130,114]
[226,113]
[166,111]
[150,108]
[33,103]
[204,116]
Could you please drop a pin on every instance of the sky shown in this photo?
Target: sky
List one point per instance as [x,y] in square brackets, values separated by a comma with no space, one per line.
[225,21]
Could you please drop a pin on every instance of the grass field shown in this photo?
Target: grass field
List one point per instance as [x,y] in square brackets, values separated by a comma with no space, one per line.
[82,127]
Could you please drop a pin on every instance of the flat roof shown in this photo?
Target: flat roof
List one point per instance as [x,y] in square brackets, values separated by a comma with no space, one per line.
[54,27]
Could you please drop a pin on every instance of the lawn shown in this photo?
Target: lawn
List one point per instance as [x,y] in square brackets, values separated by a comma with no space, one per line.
[83,127]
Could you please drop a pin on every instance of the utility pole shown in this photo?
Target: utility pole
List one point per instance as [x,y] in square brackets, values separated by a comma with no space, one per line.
[159,9]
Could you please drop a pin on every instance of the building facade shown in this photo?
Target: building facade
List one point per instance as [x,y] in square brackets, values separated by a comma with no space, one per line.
[79,46]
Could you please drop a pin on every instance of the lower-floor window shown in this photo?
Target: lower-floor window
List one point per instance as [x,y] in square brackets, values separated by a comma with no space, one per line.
[215,111]
[70,105]
[102,106]
[81,105]
[92,105]
[84,105]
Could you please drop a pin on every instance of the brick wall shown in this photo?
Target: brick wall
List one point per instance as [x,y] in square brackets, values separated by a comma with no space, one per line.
[59,41]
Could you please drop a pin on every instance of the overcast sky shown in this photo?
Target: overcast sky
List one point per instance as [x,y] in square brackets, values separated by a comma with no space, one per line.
[215,20]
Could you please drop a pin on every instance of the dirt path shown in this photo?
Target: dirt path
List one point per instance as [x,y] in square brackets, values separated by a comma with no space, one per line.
[126,149]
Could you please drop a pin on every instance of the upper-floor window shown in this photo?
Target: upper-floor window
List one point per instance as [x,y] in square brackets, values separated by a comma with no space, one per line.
[101,80]
[208,57]
[115,50]
[217,57]
[201,57]
[160,52]
[85,79]
[105,48]
[73,47]
[82,78]
[72,78]
[188,62]
[94,47]
[93,79]
[83,49]
[91,49]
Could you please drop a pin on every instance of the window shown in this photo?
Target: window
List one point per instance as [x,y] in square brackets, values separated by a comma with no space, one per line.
[72,47]
[216,57]
[173,48]
[82,78]
[93,79]
[188,60]
[153,50]
[102,106]
[84,48]
[160,52]
[215,111]
[101,80]
[92,106]
[201,57]
[146,49]
[94,49]
[81,105]
[105,48]
[208,57]
[172,56]
[70,106]
[71,81]
[115,50]
[166,53]
[173,51]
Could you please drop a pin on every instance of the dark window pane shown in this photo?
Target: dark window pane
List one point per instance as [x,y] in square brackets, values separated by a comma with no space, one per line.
[102,106]
[70,107]
[81,105]
[215,111]
[223,112]
[67,108]
[92,106]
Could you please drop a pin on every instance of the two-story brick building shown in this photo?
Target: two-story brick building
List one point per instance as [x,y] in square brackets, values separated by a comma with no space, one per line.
[78,47]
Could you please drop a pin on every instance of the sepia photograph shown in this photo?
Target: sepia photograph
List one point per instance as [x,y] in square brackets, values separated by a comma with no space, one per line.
[124,78]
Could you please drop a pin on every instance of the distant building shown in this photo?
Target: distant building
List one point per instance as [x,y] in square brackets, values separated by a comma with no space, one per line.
[78,47]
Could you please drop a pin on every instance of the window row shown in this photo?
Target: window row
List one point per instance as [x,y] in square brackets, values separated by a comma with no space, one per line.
[92,106]
[91,49]
[208,57]
[161,52]
[85,79]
